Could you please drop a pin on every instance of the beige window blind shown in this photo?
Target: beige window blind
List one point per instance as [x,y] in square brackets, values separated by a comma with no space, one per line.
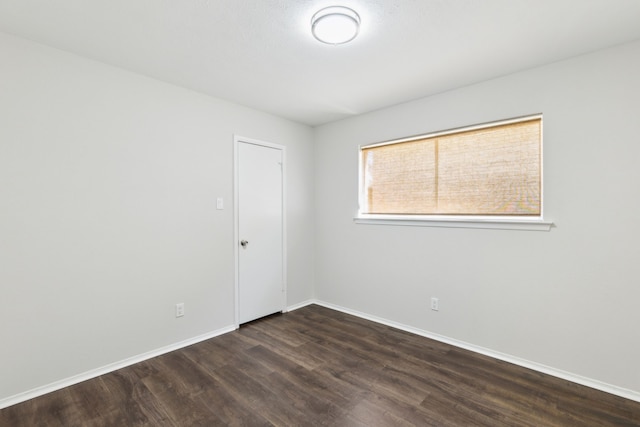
[494,170]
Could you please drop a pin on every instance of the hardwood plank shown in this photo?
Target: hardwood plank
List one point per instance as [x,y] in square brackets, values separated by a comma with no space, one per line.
[316,366]
[127,401]
[179,396]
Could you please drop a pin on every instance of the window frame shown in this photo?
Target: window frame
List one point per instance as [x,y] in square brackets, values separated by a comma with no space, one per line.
[506,222]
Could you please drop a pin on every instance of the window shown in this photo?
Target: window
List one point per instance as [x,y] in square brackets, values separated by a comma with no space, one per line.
[480,172]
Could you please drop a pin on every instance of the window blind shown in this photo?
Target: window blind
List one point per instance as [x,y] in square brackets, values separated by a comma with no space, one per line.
[493,170]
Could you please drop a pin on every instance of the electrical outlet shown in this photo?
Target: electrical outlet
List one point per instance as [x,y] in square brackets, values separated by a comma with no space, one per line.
[180,309]
[435,304]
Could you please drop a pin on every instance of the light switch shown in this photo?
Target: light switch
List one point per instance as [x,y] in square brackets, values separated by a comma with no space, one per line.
[219,203]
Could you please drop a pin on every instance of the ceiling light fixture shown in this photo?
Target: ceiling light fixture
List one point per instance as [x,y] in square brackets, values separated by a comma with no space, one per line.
[335,25]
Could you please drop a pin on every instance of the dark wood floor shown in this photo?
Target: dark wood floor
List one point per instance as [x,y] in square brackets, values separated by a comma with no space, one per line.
[316,366]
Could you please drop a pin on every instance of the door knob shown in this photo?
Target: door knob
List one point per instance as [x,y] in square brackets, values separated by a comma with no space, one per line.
[244,243]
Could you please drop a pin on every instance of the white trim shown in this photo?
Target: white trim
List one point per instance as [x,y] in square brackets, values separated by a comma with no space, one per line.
[284,228]
[236,232]
[237,139]
[57,385]
[578,379]
[456,222]
[588,382]
[541,168]
[536,223]
[301,305]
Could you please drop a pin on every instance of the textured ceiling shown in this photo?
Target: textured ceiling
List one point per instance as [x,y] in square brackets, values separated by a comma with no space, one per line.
[260,53]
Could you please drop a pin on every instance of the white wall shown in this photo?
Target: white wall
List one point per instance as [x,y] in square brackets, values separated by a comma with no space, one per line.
[108,183]
[568,298]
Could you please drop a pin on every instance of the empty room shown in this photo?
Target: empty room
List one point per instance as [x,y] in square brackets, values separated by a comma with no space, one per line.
[308,212]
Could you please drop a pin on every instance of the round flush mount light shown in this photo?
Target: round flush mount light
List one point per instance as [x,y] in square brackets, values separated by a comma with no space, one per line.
[335,25]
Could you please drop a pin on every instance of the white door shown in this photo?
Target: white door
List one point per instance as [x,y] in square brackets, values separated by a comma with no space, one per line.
[260,229]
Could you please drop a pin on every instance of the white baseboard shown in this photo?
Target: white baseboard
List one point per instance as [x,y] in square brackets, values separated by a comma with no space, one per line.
[598,385]
[302,304]
[588,382]
[57,385]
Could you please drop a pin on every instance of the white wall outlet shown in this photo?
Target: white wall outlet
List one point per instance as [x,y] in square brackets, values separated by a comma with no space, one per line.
[435,304]
[180,309]
[219,203]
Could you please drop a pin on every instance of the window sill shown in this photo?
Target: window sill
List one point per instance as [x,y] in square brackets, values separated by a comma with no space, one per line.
[457,222]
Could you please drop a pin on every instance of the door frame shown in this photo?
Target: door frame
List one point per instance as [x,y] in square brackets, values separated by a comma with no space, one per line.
[237,140]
